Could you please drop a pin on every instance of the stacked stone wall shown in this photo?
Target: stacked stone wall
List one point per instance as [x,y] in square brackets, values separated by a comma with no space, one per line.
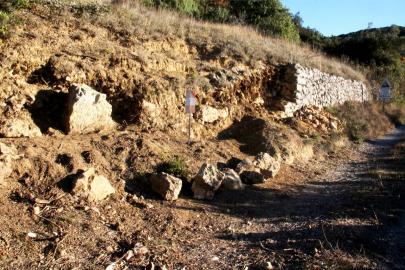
[301,86]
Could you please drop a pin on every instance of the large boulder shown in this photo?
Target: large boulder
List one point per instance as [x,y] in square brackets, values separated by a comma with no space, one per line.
[207,182]
[87,110]
[268,165]
[7,156]
[249,173]
[231,180]
[166,185]
[92,186]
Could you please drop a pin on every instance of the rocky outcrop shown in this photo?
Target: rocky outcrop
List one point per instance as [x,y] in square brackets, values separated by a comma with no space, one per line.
[319,119]
[301,86]
[249,173]
[166,185]
[231,180]
[263,167]
[209,114]
[268,165]
[7,156]
[88,110]
[92,186]
[207,182]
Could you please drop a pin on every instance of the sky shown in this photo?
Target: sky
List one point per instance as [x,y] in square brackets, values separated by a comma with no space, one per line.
[335,17]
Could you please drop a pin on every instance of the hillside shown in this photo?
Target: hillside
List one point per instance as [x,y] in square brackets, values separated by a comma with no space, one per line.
[96,170]
[379,50]
[378,46]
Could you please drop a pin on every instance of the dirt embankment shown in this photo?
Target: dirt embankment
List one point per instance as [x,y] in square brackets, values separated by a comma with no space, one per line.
[45,226]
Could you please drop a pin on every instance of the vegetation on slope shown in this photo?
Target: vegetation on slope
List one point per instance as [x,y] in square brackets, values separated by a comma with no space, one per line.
[6,9]
[269,16]
[380,51]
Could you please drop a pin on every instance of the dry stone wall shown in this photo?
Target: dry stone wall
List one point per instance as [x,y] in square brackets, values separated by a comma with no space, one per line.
[300,86]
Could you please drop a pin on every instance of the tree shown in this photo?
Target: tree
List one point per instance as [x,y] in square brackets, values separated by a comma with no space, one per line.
[268,15]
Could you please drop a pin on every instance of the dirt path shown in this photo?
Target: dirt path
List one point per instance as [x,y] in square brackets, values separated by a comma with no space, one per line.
[350,217]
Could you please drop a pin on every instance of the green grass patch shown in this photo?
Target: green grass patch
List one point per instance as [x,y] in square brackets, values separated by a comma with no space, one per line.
[175,166]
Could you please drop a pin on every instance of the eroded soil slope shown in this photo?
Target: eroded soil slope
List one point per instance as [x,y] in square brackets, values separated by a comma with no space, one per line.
[326,216]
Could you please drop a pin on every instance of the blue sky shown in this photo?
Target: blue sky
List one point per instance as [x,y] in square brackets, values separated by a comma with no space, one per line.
[335,17]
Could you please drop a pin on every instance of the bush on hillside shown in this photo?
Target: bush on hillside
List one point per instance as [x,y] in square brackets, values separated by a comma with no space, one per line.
[268,15]
[188,7]
[6,9]
[362,120]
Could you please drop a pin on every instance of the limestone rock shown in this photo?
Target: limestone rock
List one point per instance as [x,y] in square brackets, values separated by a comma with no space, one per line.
[7,156]
[210,114]
[268,165]
[249,173]
[207,182]
[333,125]
[88,110]
[92,186]
[22,126]
[166,185]
[231,180]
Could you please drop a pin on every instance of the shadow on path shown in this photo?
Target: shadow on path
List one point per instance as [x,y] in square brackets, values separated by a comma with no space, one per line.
[356,211]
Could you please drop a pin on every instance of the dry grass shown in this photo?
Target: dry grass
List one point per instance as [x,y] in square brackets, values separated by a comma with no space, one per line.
[363,120]
[241,42]
[396,113]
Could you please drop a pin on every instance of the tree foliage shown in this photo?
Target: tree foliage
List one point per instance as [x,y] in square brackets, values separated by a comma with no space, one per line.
[269,16]
[380,49]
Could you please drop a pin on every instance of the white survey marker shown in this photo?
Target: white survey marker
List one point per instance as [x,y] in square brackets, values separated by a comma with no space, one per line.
[385,91]
[190,102]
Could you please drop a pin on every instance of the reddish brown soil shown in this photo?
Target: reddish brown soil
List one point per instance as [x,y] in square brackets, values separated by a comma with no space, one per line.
[328,214]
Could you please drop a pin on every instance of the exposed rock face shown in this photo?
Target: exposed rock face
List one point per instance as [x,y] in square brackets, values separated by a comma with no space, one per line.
[303,86]
[92,186]
[166,185]
[268,165]
[231,180]
[7,156]
[22,126]
[319,119]
[88,110]
[249,173]
[207,182]
[210,114]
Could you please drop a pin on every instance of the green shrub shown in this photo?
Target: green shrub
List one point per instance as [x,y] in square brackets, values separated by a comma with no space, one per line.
[268,15]
[188,7]
[175,166]
[6,10]
[10,5]
[4,19]
[216,14]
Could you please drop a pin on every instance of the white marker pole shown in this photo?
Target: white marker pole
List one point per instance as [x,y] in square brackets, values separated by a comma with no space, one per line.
[190,109]
[189,129]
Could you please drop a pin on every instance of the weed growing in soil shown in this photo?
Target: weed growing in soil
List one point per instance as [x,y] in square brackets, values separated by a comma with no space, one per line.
[175,166]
